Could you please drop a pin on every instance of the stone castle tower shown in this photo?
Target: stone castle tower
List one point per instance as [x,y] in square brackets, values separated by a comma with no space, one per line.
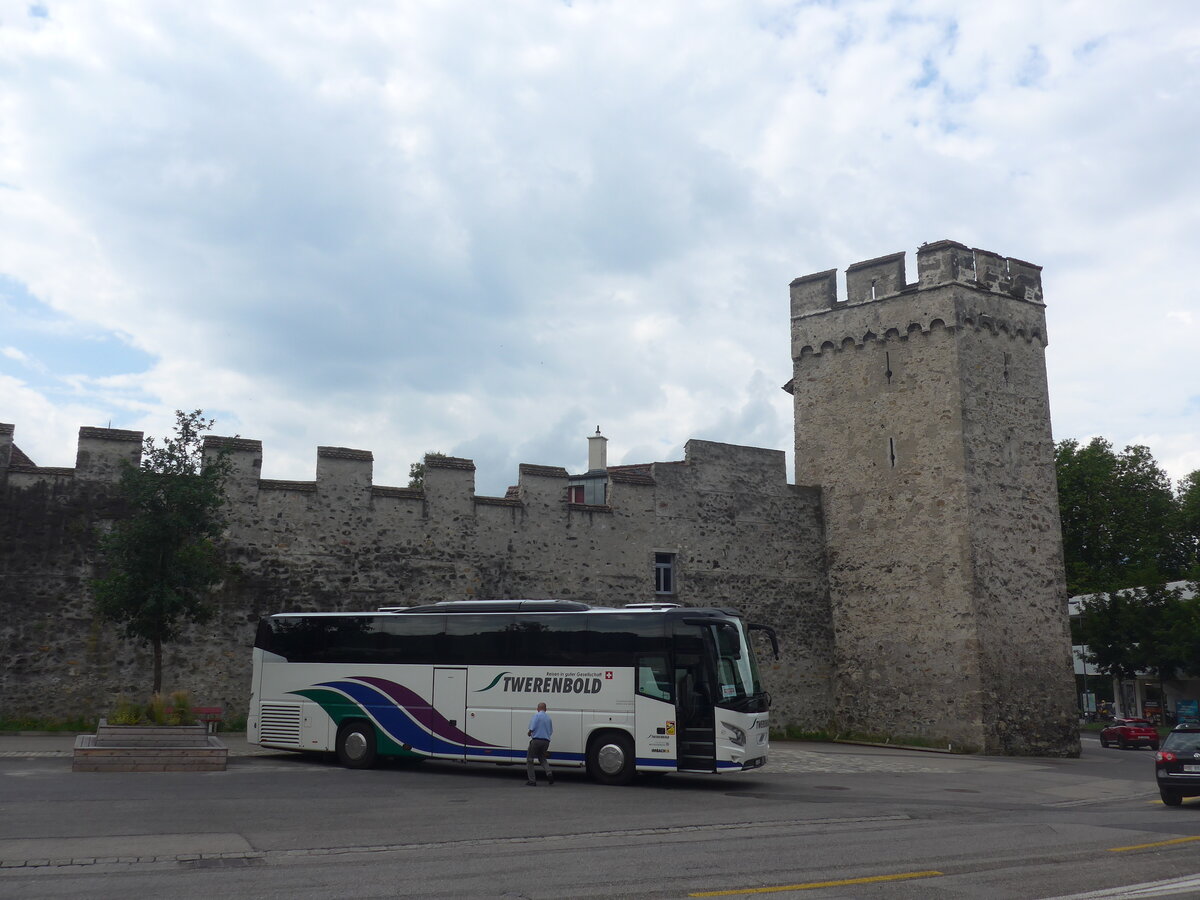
[922,413]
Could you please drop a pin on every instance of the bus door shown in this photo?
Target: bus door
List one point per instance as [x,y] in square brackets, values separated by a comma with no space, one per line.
[694,699]
[450,702]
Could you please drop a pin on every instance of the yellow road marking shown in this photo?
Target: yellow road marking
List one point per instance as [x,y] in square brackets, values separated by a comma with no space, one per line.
[816,884]
[1155,844]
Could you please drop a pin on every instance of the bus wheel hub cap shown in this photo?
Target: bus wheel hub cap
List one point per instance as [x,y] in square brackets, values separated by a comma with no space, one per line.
[356,745]
[612,759]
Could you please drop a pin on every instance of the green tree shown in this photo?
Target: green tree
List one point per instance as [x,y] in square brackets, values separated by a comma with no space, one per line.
[1118,517]
[162,560]
[416,472]
[1188,523]
[1146,629]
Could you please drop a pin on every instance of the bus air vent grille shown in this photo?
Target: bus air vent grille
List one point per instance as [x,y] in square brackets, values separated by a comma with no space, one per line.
[279,723]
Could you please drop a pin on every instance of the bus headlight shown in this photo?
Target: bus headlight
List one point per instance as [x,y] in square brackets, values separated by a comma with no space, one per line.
[736,735]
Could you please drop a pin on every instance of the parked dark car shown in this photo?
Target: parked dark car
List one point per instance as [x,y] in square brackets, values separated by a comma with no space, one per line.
[1126,733]
[1177,765]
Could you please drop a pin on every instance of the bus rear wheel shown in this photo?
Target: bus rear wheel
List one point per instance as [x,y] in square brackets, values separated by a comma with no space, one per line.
[610,758]
[356,745]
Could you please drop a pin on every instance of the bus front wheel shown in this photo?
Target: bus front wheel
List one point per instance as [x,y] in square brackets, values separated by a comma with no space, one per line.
[356,745]
[610,758]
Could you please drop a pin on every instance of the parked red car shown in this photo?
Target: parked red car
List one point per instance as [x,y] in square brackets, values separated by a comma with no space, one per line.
[1126,733]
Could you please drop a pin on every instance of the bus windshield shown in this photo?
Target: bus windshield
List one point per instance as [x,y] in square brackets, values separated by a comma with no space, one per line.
[737,668]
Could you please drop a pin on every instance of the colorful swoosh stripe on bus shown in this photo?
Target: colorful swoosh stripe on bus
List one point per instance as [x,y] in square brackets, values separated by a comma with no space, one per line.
[403,715]
[494,682]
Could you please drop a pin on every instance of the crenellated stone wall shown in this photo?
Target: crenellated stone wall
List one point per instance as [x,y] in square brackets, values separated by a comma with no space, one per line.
[743,537]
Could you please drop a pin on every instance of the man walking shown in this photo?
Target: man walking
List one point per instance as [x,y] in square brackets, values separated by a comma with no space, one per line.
[540,730]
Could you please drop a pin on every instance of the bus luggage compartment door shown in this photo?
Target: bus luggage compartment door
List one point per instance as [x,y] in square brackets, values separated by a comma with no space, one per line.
[450,702]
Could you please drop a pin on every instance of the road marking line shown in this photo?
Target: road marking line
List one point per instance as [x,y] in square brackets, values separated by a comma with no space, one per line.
[817,884]
[1173,887]
[1155,844]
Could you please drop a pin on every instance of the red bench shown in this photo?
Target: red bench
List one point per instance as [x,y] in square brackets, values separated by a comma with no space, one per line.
[207,715]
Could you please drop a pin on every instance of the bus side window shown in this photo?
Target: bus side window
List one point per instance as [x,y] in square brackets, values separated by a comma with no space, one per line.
[654,677]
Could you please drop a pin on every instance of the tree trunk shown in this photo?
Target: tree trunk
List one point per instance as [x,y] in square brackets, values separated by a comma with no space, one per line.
[157,644]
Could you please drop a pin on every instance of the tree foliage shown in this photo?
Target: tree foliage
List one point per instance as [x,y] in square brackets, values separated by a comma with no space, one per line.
[1122,524]
[1147,629]
[162,560]
[1188,523]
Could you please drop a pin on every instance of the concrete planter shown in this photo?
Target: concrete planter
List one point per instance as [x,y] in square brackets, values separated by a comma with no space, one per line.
[149,748]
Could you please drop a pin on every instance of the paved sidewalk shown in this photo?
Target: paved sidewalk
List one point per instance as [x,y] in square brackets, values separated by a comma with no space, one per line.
[47,745]
[787,757]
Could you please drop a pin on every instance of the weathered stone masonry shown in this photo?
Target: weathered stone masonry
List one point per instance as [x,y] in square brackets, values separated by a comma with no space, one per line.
[743,537]
[917,584]
[922,412]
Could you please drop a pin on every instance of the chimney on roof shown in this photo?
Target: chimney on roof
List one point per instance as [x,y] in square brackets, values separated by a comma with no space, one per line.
[597,452]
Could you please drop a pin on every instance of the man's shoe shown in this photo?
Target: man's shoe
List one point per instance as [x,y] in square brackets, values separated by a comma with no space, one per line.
[550,780]
[531,784]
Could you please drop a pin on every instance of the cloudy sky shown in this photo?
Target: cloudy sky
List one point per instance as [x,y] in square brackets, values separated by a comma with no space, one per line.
[487,228]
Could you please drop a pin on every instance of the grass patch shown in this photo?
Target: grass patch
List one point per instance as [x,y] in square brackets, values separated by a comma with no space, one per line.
[865,737]
[34,723]
[792,733]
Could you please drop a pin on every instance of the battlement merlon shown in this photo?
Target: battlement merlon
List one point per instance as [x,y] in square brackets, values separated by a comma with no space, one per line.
[344,475]
[939,263]
[101,452]
[450,485]
[245,462]
[719,466]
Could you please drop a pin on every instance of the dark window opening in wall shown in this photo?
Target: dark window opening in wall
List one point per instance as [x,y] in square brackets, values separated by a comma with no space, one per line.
[892,451]
[589,491]
[664,573]
[1007,362]
[887,360]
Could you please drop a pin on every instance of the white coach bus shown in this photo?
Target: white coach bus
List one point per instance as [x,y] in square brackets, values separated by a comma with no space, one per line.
[649,687]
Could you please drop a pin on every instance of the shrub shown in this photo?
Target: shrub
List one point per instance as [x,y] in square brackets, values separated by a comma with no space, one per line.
[126,712]
[156,710]
[181,709]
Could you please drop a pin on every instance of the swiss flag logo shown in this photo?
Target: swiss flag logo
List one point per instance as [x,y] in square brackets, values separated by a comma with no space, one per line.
[608,676]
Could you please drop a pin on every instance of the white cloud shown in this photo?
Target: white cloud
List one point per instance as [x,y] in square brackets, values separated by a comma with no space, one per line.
[485,230]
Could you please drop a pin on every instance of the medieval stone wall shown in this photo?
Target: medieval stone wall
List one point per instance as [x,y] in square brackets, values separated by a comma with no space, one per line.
[743,537]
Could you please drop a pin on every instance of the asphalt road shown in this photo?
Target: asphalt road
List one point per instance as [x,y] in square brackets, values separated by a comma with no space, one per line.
[820,821]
